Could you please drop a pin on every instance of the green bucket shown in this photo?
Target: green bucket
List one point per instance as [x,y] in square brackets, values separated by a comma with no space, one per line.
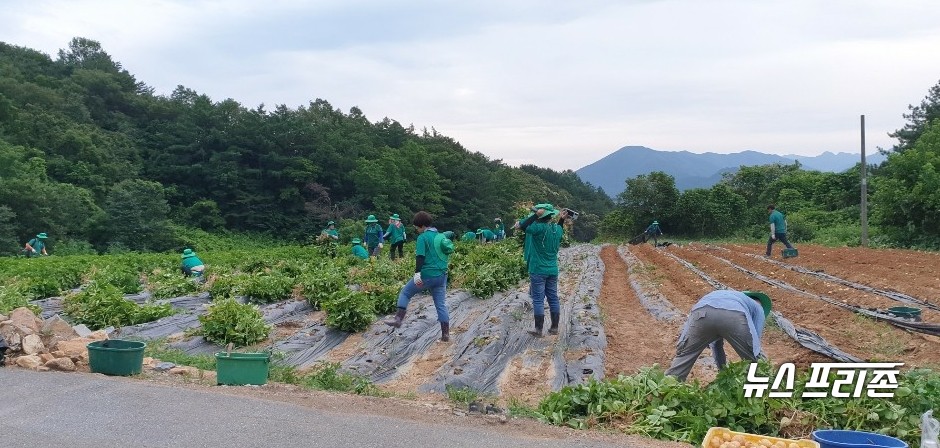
[906,312]
[238,369]
[116,357]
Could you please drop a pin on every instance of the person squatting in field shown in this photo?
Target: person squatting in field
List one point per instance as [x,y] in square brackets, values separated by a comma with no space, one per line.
[191,265]
[432,256]
[358,251]
[735,316]
[395,234]
[542,240]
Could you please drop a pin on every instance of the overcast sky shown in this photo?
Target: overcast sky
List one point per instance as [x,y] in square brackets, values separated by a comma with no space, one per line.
[555,83]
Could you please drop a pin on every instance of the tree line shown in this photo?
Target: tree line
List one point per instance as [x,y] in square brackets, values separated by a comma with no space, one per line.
[904,196]
[100,161]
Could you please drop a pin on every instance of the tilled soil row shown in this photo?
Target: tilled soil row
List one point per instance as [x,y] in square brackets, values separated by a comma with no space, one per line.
[684,288]
[915,273]
[834,294]
[846,290]
[856,335]
[669,319]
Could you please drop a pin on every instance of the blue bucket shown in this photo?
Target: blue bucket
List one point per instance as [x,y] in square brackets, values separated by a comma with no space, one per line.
[832,438]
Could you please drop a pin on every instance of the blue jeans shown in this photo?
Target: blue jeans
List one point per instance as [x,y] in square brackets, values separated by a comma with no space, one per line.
[782,237]
[542,287]
[437,286]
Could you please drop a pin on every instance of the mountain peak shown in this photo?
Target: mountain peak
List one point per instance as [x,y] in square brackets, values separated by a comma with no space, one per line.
[693,170]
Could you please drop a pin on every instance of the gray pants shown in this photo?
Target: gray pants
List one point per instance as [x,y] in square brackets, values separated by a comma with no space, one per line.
[707,325]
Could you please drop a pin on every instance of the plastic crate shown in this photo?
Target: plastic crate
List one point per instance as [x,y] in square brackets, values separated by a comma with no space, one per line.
[721,432]
[790,253]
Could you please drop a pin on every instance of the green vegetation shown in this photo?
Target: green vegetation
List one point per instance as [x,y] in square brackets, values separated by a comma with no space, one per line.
[98,159]
[654,405]
[461,395]
[231,322]
[99,305]
[326,376]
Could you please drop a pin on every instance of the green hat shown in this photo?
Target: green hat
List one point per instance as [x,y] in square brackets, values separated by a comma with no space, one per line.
[395,217]
[448,234]
[356,241]
[656,222]
[331,223]
[42,236]
[479,231]
[765,302]
[371,218]
[188,253]
[549,210]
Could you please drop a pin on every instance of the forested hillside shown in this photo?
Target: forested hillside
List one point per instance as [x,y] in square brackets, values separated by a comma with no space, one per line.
[96,158]
[904,197]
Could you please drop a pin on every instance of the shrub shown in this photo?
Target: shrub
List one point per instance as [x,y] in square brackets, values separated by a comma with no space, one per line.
[350,311]
[100,305]
[228,321]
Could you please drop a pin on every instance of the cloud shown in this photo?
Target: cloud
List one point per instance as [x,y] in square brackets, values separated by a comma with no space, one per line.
[555,83]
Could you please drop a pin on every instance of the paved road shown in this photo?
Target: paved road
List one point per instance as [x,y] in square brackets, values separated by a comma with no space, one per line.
[74,410]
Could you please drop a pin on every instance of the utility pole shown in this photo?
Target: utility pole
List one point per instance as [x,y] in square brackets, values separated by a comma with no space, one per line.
[864,207]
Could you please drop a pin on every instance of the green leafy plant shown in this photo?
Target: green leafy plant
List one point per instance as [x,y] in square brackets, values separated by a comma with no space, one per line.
[100,305]
[461,395]
[268,287]
[350,311]
[165,285]
[228,321]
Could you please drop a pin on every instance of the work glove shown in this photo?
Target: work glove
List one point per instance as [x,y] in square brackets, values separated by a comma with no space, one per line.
[773,236]
[417,279]
[380,245]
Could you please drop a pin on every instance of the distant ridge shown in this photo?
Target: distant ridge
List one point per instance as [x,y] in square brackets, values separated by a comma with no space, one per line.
[699,170]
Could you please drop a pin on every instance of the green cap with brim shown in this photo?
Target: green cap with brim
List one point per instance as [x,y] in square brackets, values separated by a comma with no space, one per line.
[371,218]
[764,300]
[42,236]
[395,217]
[331,223]
[549,210]
[188,253]
[479,231]
[356,241]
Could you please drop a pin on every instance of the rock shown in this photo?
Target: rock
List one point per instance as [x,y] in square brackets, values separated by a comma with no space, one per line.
[75,348]
[25,321]
[59,328]
[164,366]
[184,370]
[61,364]
[148,360]
[14,341]
[60,354]
[46,357]
[209,375]
[99,335]
[32,345]
[82,331]
[3,318]
[29,362]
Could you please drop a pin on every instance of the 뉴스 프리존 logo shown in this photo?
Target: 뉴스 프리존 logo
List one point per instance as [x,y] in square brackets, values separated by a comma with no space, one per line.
[875,379]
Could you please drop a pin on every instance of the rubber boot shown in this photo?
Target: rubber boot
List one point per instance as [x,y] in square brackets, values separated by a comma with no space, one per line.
[554,328]
[539,323]
[399,316]
[445,331]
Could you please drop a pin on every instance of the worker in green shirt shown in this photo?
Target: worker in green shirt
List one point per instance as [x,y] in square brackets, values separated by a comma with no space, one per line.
[778,228]
[36,246]
[358,251]
[486,235]
[499,229]
[432,256]
[191,265]
[543,238]
[395,234]
[374,236]
[469,236]
[331,232]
